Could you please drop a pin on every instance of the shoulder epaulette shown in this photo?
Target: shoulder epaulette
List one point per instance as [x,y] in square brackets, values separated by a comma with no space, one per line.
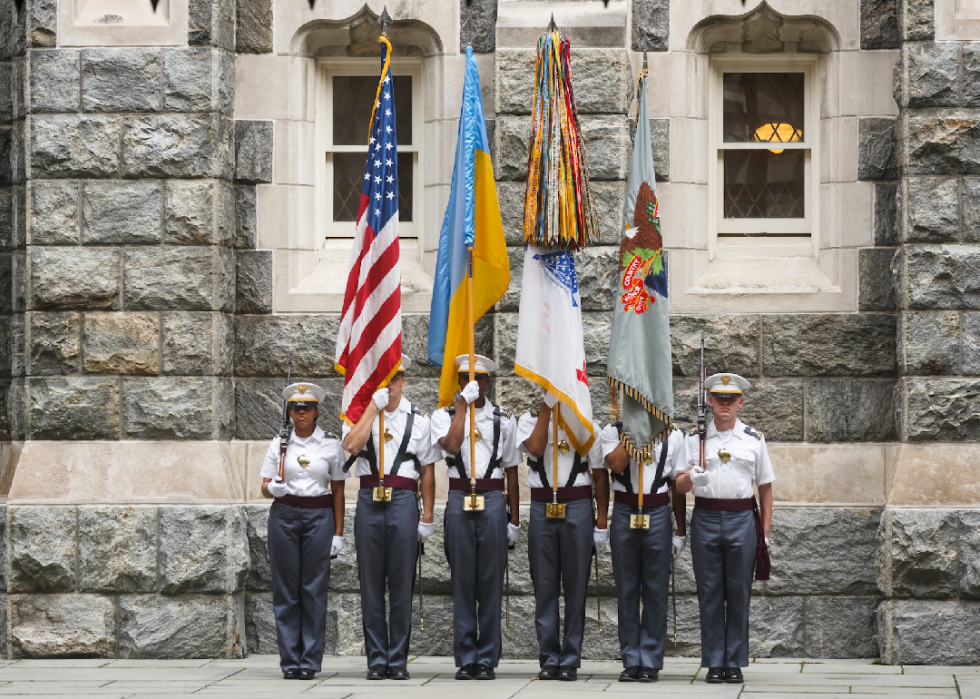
[693,431]
[503,412]
[534,414]
[451,410]
[331,435]
[753,431]
[417,410]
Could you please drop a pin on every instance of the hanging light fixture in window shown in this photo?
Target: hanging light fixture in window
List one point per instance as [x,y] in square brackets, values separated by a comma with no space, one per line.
[777,133]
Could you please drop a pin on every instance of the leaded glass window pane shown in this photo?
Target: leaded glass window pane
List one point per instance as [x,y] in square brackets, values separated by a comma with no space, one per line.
[348,180]
[763,184]
[763,107]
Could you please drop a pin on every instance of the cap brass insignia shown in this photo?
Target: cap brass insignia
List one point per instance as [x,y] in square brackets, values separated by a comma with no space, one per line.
[725,380]
[724,455]
[303,461]
[302,388]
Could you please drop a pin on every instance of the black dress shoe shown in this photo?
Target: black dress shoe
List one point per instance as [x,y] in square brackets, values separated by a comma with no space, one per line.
[548,672]
[485,672]
[733,675]
[568,674]
[307,674]
[290,674]
[630,674]
[715,675]
[398,673]
[376,673]
[649,674]
[466,672]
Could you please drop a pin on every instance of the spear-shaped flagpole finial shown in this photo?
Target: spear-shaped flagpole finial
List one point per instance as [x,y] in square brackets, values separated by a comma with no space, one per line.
[552,27]
[464,30]
[384,20]
[647,44]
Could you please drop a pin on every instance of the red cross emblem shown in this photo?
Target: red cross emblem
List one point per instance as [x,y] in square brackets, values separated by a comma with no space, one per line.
[581,375]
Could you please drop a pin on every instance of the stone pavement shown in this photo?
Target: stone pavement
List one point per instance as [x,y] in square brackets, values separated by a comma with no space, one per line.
[432,678]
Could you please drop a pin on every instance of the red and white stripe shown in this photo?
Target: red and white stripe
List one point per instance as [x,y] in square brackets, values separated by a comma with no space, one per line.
[369,343]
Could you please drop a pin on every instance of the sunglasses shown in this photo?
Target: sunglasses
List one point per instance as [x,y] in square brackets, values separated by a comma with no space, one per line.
[725,398]
[300,406]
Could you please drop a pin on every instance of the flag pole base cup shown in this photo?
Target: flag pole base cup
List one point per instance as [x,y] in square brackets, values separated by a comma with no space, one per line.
[382,494]
[555,510]
[473,503]
[639,521]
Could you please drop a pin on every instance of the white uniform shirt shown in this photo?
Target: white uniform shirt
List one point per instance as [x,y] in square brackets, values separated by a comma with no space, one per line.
[525,427]
[749,462]
[507,451]
[675,457]
[419,444]
[323,451]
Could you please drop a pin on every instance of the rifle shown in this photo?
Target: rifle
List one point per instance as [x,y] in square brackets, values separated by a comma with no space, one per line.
[284,428]
[702,406]
[421,552]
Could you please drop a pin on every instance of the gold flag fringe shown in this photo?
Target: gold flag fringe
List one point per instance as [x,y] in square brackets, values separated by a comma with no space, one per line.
[636,452]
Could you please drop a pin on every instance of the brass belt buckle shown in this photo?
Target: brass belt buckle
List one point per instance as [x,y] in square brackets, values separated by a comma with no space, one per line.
[555,510]
[639,521]
[473,503]
[382,494]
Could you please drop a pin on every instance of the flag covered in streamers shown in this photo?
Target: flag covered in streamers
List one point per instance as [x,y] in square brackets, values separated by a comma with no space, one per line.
[472,220]
[549,350]
[558,208]
[369,343]
[639,348]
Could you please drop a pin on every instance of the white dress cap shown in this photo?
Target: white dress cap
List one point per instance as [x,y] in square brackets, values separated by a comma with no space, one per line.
[303,393]
[406,363]
[723,383]
[484,365]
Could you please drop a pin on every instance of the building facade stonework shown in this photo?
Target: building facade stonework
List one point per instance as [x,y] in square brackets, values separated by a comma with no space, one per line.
[169,234]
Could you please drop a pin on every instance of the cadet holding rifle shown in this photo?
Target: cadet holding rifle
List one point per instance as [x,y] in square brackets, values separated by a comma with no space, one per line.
[729,534]
[306,528]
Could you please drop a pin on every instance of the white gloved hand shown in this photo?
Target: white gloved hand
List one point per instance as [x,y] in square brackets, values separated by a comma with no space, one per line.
[699,477]
[550,400]
[426,529]
[380,398]
[470,392]
[599,537]
[336,546]
[513,533]
[277,487]
[767,542]
[678,543]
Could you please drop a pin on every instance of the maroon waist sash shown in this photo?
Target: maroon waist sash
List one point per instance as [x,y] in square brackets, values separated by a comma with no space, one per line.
[320,502]
[483,485]
[578,492]
[763,562]
[399,482]
[649,500]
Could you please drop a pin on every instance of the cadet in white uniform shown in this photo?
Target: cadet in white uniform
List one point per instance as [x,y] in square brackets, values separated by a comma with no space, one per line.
[306,528]
[559,550]
[641,557]
[723,527]
[476,541]
[387,533]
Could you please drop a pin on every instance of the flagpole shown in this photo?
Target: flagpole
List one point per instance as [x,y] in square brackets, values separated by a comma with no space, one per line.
[554,454]
[472,340]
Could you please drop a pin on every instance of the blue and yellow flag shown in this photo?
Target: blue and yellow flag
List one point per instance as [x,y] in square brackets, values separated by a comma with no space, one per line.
[472,219]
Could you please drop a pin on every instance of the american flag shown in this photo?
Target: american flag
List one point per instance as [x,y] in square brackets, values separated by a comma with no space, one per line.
[369,344]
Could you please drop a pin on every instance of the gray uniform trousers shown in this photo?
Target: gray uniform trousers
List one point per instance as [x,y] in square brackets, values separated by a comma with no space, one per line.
[299,561]
[723,552]
[476,548]
[560,551]
[641,565]
[387,549]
